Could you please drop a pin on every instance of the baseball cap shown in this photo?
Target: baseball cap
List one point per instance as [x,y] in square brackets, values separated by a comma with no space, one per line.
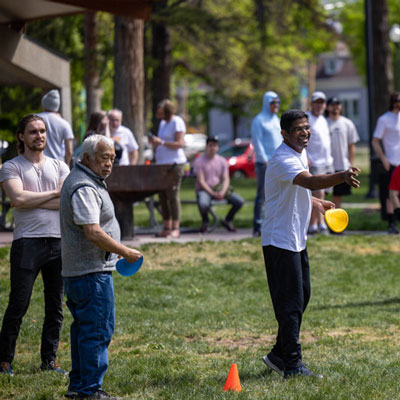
[333,100]
[318,95]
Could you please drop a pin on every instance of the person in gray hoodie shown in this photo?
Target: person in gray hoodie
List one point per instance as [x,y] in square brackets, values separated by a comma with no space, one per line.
[266,137]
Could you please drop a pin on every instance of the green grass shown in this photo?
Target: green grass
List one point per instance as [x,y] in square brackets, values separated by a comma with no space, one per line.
[359,219]
[196,308]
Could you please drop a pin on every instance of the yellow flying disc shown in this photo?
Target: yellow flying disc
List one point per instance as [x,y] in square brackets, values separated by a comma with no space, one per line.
[337,219]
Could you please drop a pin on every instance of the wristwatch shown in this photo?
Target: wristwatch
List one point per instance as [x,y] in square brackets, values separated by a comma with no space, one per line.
[162,142]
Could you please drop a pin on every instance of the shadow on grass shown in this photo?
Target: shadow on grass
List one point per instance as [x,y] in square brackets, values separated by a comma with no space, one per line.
[395,300]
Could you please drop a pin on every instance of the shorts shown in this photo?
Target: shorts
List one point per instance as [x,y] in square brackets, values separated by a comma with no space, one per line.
[343,189]
[322,170]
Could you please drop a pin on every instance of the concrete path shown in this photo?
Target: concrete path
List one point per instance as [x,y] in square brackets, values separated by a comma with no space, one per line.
[219,235]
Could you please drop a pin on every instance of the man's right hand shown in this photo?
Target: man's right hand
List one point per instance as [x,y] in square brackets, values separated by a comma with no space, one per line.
[132,255]
[350,177]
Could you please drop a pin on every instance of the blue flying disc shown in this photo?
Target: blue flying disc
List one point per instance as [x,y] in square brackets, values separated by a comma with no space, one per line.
[126,268]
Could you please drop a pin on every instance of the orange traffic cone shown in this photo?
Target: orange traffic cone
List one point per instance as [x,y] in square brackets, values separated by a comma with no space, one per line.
[233,381]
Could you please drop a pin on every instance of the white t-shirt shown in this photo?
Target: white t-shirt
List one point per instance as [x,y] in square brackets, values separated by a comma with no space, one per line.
[319,145]
[343,133]
[287,206]
[166,132]
[58,130]
[35,222]
[127,141]
[388,130]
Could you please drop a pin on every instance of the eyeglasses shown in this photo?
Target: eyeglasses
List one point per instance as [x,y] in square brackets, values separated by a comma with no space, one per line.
[300,129]
[275,102]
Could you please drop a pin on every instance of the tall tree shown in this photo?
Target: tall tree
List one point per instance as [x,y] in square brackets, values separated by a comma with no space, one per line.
[162,58]
[91,63]
[129,75]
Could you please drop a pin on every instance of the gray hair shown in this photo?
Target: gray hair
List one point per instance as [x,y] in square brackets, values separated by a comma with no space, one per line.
[90,144]
[115,111]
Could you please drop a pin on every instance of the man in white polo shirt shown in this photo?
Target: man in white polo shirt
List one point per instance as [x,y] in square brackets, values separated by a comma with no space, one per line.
[288,204]
[124,137]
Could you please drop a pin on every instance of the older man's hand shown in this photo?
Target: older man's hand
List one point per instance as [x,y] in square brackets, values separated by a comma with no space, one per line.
[132,255]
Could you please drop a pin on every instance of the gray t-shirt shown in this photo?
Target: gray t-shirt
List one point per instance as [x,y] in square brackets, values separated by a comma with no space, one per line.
[58,130]
[35,222]
[343,133]
[86,206]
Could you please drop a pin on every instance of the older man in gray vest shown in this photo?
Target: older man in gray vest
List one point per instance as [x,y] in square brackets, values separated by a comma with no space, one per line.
[90,245]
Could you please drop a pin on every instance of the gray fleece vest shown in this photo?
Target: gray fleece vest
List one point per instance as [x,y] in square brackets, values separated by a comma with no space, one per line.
[79,255]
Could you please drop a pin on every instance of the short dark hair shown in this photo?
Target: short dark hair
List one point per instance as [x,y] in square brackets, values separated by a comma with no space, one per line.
[213,139]
[393,99]
[21,129]
[288,117]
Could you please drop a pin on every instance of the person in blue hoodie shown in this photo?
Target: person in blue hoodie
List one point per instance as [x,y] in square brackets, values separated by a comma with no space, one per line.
[266,137]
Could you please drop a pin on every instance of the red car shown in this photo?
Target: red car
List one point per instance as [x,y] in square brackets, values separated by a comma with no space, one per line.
[240,157]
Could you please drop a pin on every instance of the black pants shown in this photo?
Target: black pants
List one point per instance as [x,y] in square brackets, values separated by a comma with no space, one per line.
[28,257]
[288,276]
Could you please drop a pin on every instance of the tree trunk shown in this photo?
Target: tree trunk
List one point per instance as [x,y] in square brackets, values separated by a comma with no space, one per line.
[161,54]
[379,73]
[129,76]
[92,73]
[380,59]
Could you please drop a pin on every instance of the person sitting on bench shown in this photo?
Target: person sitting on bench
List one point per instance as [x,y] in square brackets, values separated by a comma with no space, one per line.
[213,183]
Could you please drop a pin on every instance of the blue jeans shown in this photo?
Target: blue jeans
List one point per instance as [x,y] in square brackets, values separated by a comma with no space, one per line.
[204,204]
[90,298]
[260,197]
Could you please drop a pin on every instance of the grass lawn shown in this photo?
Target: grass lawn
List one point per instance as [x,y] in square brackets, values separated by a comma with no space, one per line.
[195,309]
[359,218]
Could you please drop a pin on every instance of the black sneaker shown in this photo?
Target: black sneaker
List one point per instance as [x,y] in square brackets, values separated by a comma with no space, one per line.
[5,368]
[275,363]
[53,366]
[302,370]
[100,395]
[392,230]
[228,225]
[72,395]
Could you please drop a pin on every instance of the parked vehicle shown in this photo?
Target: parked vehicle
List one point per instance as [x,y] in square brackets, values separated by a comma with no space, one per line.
[240,157]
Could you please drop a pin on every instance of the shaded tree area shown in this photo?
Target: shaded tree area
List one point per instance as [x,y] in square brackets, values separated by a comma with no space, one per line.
[383,15]
[227,53]
[241,49]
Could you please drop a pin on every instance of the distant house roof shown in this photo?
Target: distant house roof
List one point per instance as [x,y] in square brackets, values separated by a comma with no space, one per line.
[336,67]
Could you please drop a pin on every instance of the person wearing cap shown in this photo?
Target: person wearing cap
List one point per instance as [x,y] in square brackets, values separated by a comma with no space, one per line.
[33,181]
[90,237]
[319,153]
[344,137]
[288,204]
[124,137]
[59,132]
[212,182]
[386,144]
[266,137]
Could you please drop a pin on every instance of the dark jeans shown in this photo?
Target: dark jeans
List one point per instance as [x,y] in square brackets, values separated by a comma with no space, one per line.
[288,276]
[29,256]
[90,298]
[204,204]
[260,197]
